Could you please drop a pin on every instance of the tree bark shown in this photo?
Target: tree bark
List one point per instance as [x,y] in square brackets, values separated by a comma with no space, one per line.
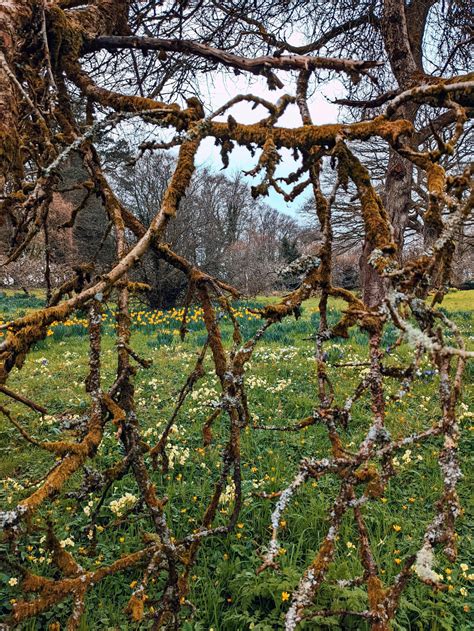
[402,29]
[14,14]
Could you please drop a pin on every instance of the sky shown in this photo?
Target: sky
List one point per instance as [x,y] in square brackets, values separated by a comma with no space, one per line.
[215,90]
[225,87]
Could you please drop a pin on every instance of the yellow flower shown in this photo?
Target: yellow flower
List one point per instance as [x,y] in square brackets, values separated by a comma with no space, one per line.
[464,567]
[285,596]
[463,591]
[398,561]
[396,527]
[133,584]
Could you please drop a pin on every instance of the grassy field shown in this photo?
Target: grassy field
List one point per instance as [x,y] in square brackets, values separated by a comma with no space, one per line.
[227,592]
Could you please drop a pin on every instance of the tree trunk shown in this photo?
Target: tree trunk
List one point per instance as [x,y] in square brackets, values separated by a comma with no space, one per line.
[402,30]
[14,14]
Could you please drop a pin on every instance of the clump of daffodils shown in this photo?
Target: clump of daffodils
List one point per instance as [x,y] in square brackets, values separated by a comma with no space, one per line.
[124,503]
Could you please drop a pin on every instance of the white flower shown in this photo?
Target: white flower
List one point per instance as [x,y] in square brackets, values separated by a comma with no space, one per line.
[67,542]
[229,494]
[13,581]
[127,501]
[177,454]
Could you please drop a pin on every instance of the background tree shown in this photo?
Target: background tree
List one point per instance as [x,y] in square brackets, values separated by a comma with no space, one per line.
[220,228]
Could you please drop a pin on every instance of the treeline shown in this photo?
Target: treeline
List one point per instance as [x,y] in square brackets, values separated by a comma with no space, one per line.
[220,228]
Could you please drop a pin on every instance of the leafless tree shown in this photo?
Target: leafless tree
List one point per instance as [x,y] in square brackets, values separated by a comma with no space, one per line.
[220,228]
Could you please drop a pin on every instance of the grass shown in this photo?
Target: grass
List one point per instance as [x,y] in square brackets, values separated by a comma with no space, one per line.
[226,590]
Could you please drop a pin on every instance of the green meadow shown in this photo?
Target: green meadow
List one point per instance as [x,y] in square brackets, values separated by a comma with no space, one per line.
[226,591]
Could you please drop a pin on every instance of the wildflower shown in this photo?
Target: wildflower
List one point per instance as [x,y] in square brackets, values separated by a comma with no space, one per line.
[229,494]
[396,527]
[463,591]
[133,584]
[127,501]
[350,545]
[13,581]
[285,596]
[397,561]
[464,567]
